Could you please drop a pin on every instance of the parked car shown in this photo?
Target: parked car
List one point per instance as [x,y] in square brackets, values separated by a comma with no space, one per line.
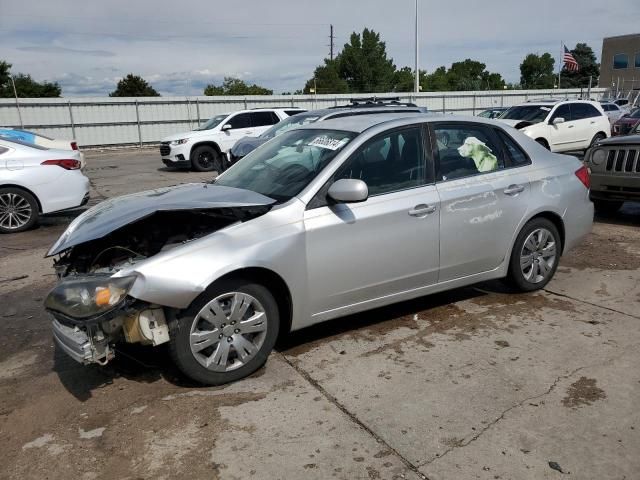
[42,140]
[35,181]
[615,172]
[357,107]
[625,124]
[560,125]
[494,112]
[325,220]
[205,148]
[613,111]
[623,103]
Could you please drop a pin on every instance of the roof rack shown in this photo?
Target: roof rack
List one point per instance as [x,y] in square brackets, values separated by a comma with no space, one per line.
[550,99]
[365,102]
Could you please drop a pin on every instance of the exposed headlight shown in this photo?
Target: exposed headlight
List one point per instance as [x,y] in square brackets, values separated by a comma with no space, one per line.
[88,296]
[598,156]
[179,142]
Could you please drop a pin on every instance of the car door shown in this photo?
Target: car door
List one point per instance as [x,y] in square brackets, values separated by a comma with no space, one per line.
[261,121]
[585,118]
[482,198]
[367,253]
[240,127]
[562,136]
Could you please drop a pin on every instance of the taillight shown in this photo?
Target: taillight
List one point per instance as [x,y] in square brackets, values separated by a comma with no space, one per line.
[583,175]
[67,163]
[74,146]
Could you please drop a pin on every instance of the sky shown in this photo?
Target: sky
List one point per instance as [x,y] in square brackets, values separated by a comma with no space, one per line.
[181,46]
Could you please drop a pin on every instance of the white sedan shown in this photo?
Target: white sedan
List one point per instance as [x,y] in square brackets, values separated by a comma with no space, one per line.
[36,180]
[33,138]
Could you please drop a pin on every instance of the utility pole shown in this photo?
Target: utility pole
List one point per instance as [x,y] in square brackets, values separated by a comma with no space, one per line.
[417,85]
[15,94]
[331,39]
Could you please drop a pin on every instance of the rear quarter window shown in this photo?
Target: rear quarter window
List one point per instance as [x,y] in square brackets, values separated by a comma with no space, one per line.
[516,154]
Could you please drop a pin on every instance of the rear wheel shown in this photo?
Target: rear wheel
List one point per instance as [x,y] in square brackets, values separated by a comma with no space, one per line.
[226,334]
[535,255]
[598,137]
[206,159]
[543,142]
[607,206]
[18,210]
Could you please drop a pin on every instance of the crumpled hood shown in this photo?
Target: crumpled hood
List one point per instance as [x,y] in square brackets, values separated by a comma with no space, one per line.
[246,145]
[117,212]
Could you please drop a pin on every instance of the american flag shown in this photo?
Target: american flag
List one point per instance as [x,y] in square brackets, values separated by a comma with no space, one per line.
[570,62]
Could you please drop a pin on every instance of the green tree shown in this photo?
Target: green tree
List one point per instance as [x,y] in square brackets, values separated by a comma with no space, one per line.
[134,86]
[326,79]
[235,86]
[363,63]
[438,81]
[473,75]
[536,71]
[587,66]
[403,80]
[26,87]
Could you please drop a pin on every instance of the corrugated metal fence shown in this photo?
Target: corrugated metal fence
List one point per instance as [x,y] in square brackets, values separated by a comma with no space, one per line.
[139,121]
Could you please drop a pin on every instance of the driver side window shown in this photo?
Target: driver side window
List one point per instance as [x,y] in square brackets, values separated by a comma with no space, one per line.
[388,163]
[242,120]
[563,111]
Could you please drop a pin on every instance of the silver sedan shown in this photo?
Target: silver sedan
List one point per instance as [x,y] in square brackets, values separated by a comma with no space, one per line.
[320,222]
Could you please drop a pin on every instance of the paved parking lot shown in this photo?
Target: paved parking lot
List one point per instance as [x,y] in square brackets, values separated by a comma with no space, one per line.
[474,383]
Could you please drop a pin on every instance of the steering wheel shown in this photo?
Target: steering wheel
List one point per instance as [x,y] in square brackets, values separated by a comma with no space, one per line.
[294,172]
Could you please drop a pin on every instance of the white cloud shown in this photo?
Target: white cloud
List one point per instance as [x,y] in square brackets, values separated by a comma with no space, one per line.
[180,47]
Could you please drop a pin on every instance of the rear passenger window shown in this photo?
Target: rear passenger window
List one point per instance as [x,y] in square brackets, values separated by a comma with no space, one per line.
[464,150]
[580,111]
[262,119]
[515,152]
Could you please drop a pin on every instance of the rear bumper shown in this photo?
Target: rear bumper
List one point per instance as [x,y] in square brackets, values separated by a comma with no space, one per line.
[577,224]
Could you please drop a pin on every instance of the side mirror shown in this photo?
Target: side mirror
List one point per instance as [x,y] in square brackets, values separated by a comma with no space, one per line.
[226,126]
[557,120]
[349,190]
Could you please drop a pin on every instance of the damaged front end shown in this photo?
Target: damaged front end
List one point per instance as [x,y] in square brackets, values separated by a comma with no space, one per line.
[91,306]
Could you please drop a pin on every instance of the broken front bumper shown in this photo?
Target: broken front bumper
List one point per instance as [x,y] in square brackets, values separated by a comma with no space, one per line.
[77,344]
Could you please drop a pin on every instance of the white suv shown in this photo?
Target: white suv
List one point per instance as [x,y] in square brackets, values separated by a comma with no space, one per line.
[205,148]
[560,125]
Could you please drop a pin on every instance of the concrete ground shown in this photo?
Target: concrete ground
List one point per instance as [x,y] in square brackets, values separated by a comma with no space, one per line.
[476,383]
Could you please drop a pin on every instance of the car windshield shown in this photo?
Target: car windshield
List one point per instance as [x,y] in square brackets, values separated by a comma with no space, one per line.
[212,122]
[287,124]
[530,113]
[282,168]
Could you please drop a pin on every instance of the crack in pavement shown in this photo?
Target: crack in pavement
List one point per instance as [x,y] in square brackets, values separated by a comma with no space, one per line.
[586,302]
[528,399]
[334,401]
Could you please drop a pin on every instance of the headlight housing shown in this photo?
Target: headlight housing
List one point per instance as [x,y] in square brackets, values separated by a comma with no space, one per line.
[598,156]
[182,141]
[86,297]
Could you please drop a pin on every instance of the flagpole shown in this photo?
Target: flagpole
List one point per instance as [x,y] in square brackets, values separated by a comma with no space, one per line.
[560,63]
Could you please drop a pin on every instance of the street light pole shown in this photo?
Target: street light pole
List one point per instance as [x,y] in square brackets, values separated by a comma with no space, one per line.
[15,94]
[417,82]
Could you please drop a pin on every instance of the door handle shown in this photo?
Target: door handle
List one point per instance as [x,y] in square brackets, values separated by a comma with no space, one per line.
[570,126]
[249,132]
[513,190]
[422,210]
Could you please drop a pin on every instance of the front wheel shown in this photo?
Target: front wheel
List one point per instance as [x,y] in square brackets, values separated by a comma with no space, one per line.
[226,334]
[206,159]
[607,207]
[18,210]
[598,137]
[535,256]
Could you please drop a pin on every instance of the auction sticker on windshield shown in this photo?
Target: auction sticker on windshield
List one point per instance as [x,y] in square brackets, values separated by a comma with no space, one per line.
[328,143]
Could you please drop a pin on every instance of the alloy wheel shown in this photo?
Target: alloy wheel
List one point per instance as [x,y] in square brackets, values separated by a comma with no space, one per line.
[15,211]
[228,331]
[538,255]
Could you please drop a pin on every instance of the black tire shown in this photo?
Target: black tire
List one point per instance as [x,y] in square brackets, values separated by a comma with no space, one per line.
[543,142]
[206,159]
[597,138]
[516,277]
[16,203]
[607,207]
[180,332]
